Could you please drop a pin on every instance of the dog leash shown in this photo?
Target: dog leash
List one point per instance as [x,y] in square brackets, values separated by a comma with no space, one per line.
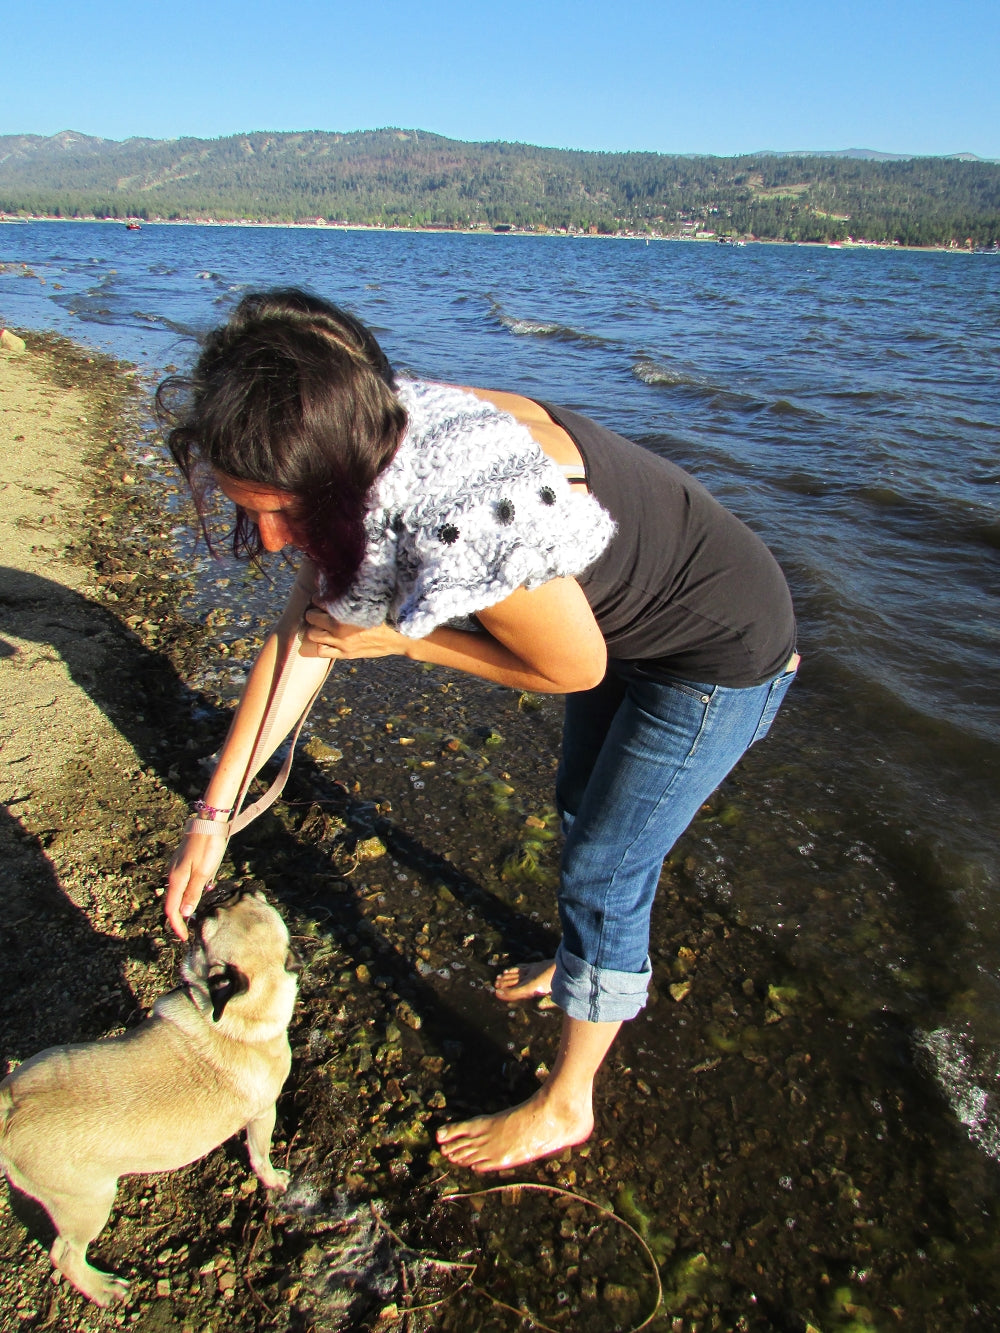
[288,648]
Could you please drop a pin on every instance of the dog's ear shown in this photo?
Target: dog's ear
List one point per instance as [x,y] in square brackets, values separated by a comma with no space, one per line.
[293,963]
[222,986]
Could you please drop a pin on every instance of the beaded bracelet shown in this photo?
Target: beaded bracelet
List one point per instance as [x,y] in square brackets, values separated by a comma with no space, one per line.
[210,811]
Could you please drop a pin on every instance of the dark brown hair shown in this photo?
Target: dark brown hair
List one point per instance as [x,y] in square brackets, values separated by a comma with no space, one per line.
[295,393]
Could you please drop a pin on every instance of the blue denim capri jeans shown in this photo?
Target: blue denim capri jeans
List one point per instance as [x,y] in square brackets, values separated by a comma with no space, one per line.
[640,756]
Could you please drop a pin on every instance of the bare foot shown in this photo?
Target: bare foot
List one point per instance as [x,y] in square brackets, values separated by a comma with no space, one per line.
[523,1134]
[527,981]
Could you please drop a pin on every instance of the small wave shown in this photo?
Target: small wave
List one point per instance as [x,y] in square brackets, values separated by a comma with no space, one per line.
[86,306]
[530,328]
[802,483]
[717,298]
[655,373]
[864,397]
[988,534]
[968,1081]
[971,423]
[950,521]
[108,279]
[884,497]
[541,328]
[659,376]
[229,293]
[784,407]
[163,322]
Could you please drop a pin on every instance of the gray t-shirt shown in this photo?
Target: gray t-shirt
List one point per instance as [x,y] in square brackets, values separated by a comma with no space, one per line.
[684,588]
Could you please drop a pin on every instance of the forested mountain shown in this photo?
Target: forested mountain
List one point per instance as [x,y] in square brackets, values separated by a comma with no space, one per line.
[411,178]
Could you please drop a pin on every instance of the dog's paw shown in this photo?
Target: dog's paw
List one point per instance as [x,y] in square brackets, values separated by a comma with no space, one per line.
[102,1288]
[115,1290]
[275,1179]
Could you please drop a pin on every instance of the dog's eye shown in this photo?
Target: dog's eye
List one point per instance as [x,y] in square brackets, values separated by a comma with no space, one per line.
[223,985]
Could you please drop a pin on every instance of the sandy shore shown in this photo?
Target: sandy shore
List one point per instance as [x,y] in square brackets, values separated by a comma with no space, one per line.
[46,440]
[67,752]
[763,1130]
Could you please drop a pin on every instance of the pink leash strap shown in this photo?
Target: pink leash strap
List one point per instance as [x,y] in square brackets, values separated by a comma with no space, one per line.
[288,648]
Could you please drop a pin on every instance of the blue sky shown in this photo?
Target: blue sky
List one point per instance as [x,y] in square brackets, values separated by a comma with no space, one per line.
[908,76]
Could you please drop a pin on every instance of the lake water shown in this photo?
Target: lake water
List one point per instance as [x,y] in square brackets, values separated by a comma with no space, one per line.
[846,405]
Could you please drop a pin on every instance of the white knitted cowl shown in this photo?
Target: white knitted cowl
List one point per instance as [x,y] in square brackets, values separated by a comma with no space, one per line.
[468,510]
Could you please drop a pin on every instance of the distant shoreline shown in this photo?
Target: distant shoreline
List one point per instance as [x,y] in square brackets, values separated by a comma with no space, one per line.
[554,233]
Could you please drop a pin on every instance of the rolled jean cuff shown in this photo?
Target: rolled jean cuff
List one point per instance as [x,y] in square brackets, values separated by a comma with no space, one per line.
[597,994]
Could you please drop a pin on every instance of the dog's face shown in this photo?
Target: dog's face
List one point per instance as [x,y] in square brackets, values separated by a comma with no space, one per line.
[239,962]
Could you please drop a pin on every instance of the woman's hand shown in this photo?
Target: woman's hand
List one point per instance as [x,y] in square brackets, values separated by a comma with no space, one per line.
[333,639]
[546,639]
[191,870]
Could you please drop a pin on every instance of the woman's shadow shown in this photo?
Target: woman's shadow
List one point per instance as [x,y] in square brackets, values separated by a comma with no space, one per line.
[66,980]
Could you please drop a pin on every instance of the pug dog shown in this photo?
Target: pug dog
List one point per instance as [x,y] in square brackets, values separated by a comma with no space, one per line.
[209,1061]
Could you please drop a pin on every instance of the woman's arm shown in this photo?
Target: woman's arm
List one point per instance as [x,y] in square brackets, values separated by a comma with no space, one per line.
[200,854]
[545,640]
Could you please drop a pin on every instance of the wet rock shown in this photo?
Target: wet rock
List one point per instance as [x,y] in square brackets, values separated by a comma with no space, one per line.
[320,750]
[406,1014]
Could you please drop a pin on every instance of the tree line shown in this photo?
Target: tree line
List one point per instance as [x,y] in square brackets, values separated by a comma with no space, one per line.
[415,179]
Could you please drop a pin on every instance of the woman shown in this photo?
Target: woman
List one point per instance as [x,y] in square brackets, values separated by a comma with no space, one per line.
[522,543]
